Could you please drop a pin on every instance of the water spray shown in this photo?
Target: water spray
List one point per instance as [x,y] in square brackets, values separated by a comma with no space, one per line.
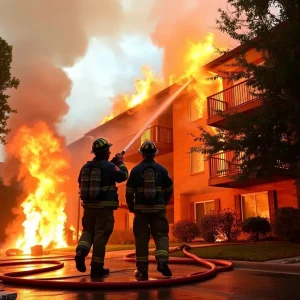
[160,110]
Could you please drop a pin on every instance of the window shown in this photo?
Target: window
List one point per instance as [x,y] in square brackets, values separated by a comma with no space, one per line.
[255,205]
[194,109]
[196,162]
[146,136]
[203,208]
[130,217]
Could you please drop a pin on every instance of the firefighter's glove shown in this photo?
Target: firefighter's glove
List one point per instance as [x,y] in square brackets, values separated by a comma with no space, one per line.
[118,159]
[131,208]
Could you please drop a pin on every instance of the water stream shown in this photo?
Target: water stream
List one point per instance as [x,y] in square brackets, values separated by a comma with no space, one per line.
[159,111]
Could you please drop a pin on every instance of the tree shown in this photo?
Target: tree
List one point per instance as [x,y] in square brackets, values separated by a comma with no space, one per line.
[269,137]
[6,82]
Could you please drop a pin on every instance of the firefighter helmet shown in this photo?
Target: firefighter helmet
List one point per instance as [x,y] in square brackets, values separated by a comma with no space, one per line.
[100,145]
[148,148]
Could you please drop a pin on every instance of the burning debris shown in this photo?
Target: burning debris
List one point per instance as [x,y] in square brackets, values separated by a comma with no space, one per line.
[43,172]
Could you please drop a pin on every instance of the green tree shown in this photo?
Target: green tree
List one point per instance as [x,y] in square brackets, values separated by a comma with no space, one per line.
[6,82]
[270,135]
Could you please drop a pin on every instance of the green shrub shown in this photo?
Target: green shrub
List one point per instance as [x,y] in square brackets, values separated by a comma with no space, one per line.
[287,224]
[229,226]
[256,226]
[121,237]
[185,230]
[220,225]
[208,227]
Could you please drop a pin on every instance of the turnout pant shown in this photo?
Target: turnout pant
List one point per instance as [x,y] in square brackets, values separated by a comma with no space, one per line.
[98,225]
[157,225]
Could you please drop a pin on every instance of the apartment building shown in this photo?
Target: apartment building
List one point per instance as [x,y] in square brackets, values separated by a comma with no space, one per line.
[200,185]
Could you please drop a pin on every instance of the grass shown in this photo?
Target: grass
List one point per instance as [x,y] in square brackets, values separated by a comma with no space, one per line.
[109,248]
[258,252]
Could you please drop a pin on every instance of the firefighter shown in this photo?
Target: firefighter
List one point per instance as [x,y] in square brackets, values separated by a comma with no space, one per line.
[98,192]
[148,191]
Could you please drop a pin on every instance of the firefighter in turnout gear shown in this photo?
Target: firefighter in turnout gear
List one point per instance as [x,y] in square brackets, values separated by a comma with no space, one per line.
[148,191]
[98,192]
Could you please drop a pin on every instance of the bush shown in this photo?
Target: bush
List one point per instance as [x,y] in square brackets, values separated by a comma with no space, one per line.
[256,226]
[121,237]
[220,225]
[208,227]
[287,224]
[229,225]
[185,230]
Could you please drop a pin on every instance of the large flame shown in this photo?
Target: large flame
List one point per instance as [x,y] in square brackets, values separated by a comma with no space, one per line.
[143,87]
[197,55]
[43,168]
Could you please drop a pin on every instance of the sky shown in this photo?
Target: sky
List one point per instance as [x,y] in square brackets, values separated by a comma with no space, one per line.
[73,58]
[101,75]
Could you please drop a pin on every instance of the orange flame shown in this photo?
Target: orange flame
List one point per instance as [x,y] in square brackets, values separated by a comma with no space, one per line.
[144,88]
[197,55]
[43,168]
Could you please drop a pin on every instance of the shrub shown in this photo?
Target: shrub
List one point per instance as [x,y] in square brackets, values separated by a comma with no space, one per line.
[121,237]
[208,227]
[185,230]
[223,225]
[229,225]
[256,226]
[287,224]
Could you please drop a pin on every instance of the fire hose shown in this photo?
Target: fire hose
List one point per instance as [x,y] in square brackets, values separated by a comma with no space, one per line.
[213,265]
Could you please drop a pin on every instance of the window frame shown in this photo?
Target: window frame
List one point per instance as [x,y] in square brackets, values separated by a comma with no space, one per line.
[249,194]
[198,172]
[198,202]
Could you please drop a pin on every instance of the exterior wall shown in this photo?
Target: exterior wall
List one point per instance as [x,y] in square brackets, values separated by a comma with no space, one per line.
[190,188]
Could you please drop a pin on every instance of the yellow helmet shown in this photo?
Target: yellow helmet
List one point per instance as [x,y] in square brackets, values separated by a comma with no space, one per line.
[100,145]
[148,148]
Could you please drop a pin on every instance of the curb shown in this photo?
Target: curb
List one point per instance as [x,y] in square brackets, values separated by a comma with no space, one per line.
[267,267]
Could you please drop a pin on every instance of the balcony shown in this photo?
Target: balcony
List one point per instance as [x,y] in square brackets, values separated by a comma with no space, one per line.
[222,167]
[161,136]
[238,98]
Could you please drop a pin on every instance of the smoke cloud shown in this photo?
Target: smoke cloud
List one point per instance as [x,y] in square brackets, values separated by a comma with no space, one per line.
[179,23]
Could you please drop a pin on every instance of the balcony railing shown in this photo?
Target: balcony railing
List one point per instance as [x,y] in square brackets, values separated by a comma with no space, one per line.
[158,134]
[161,136]
[224,165]
[232,97]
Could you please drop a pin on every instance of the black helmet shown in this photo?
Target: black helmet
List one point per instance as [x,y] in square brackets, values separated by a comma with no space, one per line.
[100,145]
[148,148]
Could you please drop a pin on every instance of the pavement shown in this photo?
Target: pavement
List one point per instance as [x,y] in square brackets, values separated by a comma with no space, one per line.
[248,281]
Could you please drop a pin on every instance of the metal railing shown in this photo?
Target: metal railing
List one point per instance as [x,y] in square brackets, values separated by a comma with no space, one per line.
[223,164]
[156,134]
[232,97]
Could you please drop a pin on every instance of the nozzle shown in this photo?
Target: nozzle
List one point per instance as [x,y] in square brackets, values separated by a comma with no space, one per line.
[123,152]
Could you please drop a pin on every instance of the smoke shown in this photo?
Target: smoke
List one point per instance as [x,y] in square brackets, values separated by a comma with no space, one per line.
[48,35]
[179,23]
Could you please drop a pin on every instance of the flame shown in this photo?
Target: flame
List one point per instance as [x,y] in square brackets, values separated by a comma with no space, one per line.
[43,167]
[144,88]
[198,55]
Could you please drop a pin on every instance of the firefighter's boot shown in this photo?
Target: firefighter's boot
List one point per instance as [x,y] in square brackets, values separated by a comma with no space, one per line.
[143,275]
[80,260]
[97,270]
[163,268]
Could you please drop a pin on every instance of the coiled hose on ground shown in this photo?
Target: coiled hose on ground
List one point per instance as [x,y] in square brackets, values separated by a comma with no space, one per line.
[214,266]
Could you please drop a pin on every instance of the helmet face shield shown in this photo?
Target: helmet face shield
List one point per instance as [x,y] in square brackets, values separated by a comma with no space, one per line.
[148,148]
[100,145]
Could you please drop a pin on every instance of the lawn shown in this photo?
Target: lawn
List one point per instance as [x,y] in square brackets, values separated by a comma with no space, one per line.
[262,251]
[110,247]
